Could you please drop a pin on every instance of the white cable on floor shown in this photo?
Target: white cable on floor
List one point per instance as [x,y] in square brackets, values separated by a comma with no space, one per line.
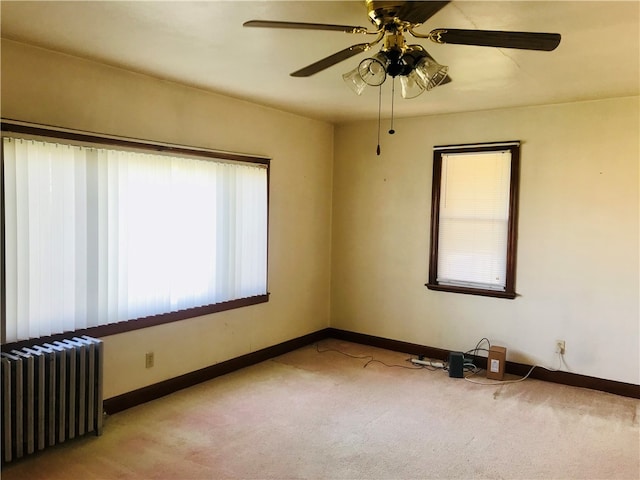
[503,382]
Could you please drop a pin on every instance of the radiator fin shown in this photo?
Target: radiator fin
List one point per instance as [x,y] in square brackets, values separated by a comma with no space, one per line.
[51,393]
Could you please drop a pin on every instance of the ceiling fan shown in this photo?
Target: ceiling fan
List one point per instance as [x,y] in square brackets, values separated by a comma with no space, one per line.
[418,71]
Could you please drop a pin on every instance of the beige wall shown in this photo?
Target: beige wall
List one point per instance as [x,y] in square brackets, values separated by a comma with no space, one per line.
[578,245]
[44,87]
[578,262]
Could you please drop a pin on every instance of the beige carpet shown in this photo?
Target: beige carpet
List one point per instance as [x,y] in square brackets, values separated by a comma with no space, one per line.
[311,415]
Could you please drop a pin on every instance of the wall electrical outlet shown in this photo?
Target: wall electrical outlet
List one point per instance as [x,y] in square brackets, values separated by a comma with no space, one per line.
[148,359]
[560,347]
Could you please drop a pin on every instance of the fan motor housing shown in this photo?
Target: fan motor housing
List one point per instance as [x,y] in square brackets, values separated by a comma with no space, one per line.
[383,12]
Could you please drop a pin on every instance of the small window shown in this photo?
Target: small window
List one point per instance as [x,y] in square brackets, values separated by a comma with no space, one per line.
[474,219]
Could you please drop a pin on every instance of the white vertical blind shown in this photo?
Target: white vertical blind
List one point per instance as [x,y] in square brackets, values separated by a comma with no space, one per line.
[473,219]
[97,236]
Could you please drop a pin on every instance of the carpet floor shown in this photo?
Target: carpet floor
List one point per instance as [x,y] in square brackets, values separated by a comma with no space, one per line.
[316,413]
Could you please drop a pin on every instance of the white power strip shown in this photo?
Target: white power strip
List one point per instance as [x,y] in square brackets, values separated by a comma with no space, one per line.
[427,363]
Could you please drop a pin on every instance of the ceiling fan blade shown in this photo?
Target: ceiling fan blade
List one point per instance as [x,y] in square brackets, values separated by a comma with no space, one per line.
[304,26]
[331,60]
[493,38]
[419,12]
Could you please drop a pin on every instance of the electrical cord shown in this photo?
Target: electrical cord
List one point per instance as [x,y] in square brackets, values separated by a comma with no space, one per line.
[433,368]
[503,382]
[417,367]
[370,359]
[430,366]
[360,357]
[478,349]
[517,380]
[484,339]
[468,366]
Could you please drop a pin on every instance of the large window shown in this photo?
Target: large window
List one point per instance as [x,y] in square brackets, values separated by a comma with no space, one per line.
[99,235]
[474,219]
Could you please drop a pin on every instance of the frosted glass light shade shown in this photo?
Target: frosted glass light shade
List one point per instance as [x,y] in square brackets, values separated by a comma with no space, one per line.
[429,73]
[373,70]
[355,81]
[411,86]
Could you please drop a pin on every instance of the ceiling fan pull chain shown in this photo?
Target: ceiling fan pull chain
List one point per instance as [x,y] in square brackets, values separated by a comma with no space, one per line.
[379,109]
[393,96]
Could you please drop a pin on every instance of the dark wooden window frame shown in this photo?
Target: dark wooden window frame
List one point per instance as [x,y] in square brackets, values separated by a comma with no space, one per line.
[13,126]
[510,287]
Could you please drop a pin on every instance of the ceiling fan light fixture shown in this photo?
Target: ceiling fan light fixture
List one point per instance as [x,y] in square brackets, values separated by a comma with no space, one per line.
[429,73]
[373,70]
[411,88]
[370,71]
[355,81]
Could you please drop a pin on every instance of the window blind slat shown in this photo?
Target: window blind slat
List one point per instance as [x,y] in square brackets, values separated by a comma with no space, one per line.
[97,236]
[473,219]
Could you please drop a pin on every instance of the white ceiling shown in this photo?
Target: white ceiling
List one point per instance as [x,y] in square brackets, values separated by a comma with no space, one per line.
[203,44]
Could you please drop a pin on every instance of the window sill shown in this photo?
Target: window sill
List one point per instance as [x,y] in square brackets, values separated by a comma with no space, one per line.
[471,291]
[139,323]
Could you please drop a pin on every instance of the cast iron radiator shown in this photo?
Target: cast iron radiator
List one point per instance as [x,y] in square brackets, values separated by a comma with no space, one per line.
[50,393]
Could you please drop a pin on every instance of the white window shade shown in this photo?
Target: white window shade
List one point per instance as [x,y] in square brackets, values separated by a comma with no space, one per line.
[474,219]
[95,236]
